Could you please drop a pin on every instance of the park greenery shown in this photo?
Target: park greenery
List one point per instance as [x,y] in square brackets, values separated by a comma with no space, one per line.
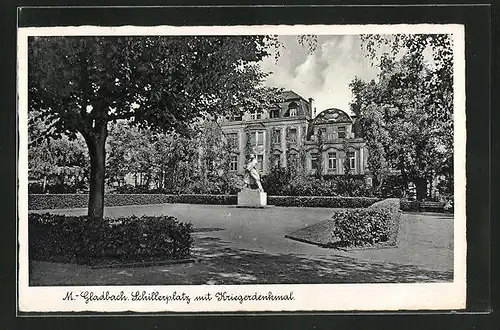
[77,239]
[406,115]
[106,109]
[78,85]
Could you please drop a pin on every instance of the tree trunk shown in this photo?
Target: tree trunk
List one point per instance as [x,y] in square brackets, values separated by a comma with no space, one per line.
[421,185]
[96,142]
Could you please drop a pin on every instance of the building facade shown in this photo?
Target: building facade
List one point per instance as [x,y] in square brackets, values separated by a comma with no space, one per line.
[290,132]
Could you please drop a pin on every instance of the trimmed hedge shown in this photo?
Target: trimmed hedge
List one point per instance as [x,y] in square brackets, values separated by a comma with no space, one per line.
[322,201]
[417,206]
[379,223]
[409,206]
[133,239]
[63,201]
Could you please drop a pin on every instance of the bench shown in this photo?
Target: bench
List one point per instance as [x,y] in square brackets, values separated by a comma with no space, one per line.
[431,207]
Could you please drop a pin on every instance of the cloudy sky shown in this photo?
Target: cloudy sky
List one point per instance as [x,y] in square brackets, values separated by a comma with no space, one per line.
[324,74]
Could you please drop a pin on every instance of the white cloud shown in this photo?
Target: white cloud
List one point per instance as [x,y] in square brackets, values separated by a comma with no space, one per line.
[323,75]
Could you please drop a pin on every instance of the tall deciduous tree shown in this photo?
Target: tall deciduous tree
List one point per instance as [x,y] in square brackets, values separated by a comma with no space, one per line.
[407,114]
[80,84]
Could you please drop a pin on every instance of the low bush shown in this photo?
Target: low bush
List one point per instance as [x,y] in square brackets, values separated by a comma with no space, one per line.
[278,178]
[281,182]
[57,201]
[409,206]
[392,186]
[63,201]
[392,205]
[449,206]
[55,188]
[379,223]
[134,239]
[228,184]
[131,189]
[322,201]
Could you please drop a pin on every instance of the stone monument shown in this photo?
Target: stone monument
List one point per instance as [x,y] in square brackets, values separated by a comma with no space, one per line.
[249,197]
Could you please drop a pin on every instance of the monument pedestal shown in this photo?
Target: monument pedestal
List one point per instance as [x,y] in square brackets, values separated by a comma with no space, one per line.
[252,198]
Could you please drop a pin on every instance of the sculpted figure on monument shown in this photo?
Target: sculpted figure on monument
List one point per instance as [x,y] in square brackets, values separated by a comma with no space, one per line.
[251,173]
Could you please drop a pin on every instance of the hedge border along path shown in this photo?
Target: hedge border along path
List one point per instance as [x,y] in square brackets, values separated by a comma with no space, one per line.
[376,226]
[65,201]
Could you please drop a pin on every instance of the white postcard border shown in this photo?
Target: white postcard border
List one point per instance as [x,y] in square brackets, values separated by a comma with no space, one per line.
[306,297]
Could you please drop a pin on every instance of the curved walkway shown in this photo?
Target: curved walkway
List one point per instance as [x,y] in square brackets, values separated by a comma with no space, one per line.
[252,248]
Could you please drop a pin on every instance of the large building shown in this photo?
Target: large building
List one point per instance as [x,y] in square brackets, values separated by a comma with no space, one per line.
[290,132]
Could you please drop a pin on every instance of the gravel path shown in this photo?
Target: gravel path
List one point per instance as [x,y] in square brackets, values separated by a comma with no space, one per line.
[252,248]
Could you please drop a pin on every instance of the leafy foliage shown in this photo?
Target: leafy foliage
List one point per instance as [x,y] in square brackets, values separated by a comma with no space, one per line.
[361,227]
[157,82]
[285,181]
[78,239]
[170,163]
[322,201]
[80,84]
[59,165]
[63,201]
[409,205]
[407,114]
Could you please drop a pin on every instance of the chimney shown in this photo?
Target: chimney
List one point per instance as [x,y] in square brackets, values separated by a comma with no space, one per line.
[311,106]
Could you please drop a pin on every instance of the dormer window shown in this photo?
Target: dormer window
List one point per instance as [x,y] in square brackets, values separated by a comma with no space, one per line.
[292,109]
[274,113]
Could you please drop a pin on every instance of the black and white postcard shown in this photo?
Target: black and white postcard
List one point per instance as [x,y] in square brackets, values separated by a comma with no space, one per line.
[241,168]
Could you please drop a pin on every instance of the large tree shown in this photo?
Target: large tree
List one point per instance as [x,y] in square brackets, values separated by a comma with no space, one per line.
[80,84]
[407,114]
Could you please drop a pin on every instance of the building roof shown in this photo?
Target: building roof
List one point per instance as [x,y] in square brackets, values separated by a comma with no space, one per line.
[291,95]
[332,115]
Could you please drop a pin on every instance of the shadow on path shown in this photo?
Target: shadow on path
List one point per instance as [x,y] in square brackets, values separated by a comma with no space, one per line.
[220,263]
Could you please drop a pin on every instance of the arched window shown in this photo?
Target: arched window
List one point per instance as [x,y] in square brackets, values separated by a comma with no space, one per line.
[315,160]
[292,109]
